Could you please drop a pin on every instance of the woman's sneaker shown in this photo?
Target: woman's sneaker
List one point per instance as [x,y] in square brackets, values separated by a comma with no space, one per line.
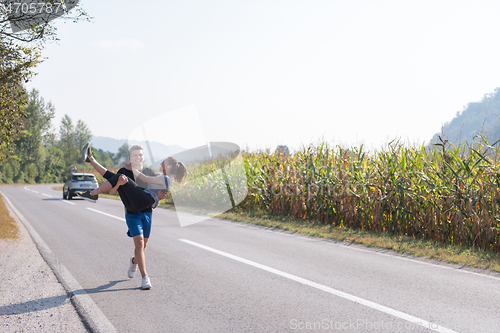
[146,283]
[132,269]
[87,196]
[86,153]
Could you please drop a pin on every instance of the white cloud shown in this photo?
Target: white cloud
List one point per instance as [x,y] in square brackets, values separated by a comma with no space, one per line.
[119,45]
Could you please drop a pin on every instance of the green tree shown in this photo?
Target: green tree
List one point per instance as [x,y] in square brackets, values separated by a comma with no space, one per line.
[7,173]
[37,129]
[104,157]
[53,166]
[20,177]
[12,98]
[22,38]
[121,157]
[31,173]
[71,140]
[14,163]
[37,155]
[67,139]
[82,134]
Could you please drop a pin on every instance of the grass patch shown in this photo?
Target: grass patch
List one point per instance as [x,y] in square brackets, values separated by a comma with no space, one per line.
[109,196]
[8,226]
[402,244]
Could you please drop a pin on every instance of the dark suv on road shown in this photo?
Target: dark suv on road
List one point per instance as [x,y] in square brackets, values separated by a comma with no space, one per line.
[79,182]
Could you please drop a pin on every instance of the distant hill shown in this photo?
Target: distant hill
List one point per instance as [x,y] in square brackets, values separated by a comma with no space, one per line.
[107,144]
[478,117]
[159,150]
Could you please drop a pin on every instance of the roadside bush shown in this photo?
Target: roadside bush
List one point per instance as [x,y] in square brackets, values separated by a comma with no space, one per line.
[31,173]
[20,178]
[7,174]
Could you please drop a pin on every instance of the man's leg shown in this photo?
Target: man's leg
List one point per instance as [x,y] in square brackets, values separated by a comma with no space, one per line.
[139,258]
[139,225]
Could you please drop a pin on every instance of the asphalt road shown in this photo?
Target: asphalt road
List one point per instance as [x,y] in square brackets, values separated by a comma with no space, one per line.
[222,276]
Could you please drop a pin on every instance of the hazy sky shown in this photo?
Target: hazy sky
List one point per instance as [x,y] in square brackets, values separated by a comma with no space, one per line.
[263,73]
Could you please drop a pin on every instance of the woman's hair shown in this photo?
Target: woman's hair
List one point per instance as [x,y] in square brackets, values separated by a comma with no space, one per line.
[178,171]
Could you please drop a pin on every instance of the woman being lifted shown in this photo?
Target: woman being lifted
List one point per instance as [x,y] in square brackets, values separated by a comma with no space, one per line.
[136,198]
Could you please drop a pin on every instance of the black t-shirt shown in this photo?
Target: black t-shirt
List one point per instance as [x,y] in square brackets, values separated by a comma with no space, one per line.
[130,174]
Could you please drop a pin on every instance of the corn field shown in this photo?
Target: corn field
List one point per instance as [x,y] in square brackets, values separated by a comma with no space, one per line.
[447,194]
[213,186]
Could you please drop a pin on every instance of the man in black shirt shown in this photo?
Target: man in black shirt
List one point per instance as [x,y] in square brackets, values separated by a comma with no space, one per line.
[139,223]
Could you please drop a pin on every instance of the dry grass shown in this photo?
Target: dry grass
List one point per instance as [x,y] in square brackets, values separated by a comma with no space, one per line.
[402,244]
[8,226]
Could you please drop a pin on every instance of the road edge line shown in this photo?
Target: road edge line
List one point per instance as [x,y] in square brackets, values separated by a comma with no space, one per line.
[92,317]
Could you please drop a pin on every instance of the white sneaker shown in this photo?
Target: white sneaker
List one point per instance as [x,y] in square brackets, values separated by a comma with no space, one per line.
[146,284]
[132,269]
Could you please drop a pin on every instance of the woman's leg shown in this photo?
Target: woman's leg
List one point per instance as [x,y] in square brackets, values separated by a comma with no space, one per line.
[113,180]
[105,187]
[108,185]
[99,168]
[132,195]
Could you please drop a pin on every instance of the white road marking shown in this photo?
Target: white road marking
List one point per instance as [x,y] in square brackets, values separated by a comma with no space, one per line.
[103,213]
[375,306]
[71,203]
[47,195]
[34,191]
[329,241]
[27,189]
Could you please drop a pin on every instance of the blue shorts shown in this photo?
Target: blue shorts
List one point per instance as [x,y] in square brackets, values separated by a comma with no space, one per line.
[139,224]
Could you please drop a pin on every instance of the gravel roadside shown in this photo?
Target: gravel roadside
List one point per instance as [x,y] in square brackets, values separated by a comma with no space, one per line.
[31,298]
